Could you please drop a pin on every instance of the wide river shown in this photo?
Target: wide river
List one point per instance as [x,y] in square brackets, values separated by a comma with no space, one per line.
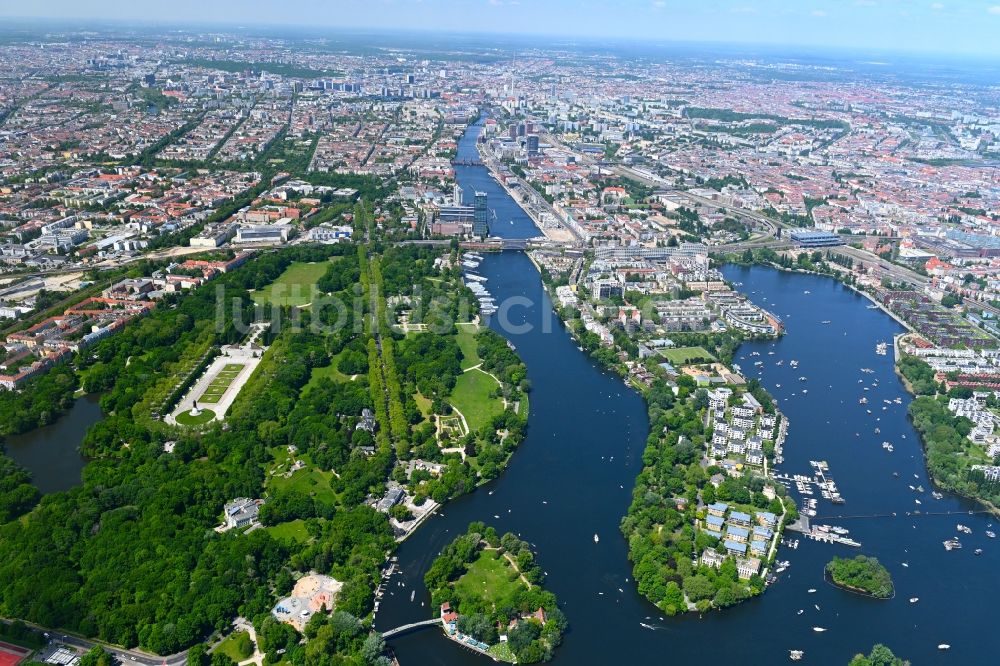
[572,478]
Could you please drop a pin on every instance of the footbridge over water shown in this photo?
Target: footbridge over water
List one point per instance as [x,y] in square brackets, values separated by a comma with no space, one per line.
[413,626]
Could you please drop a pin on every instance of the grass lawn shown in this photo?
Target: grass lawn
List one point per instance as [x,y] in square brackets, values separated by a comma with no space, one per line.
[471,396]
[683,355]
[294,286]
[217,388]
[294,530]
[423,403]
[228,647]
[330,371]
[466,339]
[203,417]
[310,480]
[488,578]
[502,652]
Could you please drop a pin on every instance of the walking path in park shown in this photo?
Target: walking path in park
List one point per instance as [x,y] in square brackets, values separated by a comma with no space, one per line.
[222,381]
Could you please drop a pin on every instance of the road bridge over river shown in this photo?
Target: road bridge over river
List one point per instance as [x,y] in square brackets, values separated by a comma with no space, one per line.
[498,244]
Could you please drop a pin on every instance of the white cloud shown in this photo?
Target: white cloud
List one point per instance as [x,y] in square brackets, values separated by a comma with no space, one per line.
[937,6]
[995,10]
[819,13]
[659,4]
[743,10]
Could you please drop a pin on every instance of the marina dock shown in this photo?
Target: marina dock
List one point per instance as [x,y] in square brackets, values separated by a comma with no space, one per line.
[823,533]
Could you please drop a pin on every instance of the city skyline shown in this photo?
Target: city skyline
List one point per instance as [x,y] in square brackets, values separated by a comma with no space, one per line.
[641,322]
[964,28]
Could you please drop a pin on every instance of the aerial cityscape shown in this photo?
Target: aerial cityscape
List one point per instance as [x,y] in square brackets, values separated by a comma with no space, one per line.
[441,333]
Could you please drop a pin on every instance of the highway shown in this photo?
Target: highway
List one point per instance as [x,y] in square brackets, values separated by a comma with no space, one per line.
[124,655]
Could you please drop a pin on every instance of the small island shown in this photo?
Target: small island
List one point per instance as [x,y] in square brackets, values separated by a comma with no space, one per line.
[864,575]
[879,656]
[488,590]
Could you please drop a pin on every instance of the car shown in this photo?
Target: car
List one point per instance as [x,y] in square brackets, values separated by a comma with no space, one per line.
[132,658]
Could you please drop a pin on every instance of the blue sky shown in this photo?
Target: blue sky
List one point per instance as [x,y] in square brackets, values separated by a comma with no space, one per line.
[955,26]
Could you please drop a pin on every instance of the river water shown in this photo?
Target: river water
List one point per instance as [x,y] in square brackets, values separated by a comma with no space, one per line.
[573,474]
[52,453]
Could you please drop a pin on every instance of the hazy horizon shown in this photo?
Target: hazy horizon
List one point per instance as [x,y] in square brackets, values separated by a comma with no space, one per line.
[959,29]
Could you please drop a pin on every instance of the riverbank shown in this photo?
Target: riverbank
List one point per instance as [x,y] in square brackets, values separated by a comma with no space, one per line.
[837,276]
[834,275]
[574,477]
[752,561]
[558,234]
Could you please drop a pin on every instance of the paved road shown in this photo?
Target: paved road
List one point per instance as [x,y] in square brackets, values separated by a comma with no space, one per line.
[124,655]
[894,271]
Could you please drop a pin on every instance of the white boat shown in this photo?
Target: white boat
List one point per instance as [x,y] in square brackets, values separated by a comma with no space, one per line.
[944,646]
[811,590]
[795,655]
[914,600]
[596,538]
[819,629]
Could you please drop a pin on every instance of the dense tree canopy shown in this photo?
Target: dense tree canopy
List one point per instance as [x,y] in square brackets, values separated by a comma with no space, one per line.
[864,574]
[17,495]
[879,656]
